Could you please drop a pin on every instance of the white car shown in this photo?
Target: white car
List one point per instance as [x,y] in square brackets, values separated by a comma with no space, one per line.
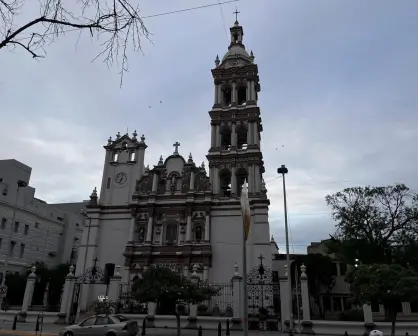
[103,325]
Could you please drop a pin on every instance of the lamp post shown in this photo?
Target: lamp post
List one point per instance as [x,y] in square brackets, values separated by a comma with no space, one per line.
[283,170]
[80,295]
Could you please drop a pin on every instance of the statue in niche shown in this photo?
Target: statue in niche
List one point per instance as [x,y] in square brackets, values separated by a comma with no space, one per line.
[144,185]
[186,182]
[198,234]
[141,237]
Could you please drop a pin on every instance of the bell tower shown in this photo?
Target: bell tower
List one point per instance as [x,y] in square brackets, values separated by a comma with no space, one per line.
[235,154]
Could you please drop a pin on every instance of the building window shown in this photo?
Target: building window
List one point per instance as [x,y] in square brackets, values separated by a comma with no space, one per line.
[225,183]
[241,137]
[60,218]
[36,225]
[115,157]
[132,156]
[171,233]
[22,250]
[16,228]
[242,95]
[241,176]
[108,183]
[3,223]
[26,229]
[12,248]
[74,253]
[227,96]
[226,137]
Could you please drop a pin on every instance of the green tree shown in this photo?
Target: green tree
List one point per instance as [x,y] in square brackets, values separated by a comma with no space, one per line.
[389,285]
[375,224]
[117,22]
[16,284]
[167,288]
[321,272]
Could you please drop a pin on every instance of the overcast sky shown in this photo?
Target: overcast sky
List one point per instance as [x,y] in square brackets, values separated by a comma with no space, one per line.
[338,91]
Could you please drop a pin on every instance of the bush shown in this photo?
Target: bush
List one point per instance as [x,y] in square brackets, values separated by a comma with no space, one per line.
[352,315]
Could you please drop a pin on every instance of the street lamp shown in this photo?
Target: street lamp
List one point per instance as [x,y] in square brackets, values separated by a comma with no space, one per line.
[283,170]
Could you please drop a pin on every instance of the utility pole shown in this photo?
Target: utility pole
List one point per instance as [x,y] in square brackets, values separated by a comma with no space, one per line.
[283,170]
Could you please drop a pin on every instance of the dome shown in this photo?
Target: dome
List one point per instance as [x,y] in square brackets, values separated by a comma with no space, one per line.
[236,51]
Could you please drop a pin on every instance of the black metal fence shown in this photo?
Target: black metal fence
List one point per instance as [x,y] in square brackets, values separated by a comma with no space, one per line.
[221,303]
[127,303]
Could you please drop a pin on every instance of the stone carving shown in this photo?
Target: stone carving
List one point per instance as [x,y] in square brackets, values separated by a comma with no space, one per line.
[202,182]
[144,185]
[141,235]
[174,267]
[185,184]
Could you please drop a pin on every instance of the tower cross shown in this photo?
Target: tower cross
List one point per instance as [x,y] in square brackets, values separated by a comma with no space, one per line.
[236,14]
[176,147]
[261,258]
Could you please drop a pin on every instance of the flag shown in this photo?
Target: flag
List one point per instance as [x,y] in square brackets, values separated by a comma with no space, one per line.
[245,210]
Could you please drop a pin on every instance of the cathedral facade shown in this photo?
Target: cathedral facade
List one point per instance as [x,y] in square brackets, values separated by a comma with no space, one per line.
[179,213]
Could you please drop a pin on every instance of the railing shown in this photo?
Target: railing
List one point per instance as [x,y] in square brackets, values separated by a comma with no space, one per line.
[222,301]
[127,303]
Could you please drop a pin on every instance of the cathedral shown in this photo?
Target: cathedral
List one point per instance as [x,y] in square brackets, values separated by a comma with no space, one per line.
[178,213]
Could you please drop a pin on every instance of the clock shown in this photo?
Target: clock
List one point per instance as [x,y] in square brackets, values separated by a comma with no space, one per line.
[121,179]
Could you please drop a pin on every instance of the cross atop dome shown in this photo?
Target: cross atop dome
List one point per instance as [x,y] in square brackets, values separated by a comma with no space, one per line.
[236,16]
[176,146]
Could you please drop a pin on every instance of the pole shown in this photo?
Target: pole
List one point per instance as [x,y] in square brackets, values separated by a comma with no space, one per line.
[286,227]
[84,264]
[244,281]
[297,292]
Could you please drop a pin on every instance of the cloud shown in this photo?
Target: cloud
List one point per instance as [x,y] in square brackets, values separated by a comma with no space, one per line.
[338,86]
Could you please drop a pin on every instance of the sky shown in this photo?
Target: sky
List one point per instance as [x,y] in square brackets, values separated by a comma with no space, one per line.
[338,99]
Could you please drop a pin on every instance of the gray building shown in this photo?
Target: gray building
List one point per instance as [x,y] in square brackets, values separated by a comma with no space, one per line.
[32,230]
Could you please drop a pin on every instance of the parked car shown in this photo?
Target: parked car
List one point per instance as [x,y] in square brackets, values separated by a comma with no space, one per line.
[104,325]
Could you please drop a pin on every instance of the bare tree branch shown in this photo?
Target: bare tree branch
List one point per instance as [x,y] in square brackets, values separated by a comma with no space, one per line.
[115,23]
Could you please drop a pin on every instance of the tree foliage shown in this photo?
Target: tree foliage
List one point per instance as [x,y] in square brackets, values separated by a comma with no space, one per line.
[160,284]
[116,23]
[389,285]
[375,224]
[321,271]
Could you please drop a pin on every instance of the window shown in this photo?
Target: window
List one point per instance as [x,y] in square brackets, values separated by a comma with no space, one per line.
[242,95]
[225,183]
[241,137]
[226,137]
[36,225]
[16,228]
[171,233]
[241,176]
[115,157]
[108,182]
[22,250]
[60,218]
[227,96]
[12,248]
[5,190]
[104,320]
[132,156]
[26,229]
[3,223]
[89,322]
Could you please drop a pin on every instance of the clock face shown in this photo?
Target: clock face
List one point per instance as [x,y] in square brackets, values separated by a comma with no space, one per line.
[121,179]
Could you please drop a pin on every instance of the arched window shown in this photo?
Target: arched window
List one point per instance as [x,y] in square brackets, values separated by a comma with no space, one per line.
[241,176]
[226,96]
[225,183]
[115,157]
[171,233]
[132,156]
[241,137]
[226,137]
[242,95]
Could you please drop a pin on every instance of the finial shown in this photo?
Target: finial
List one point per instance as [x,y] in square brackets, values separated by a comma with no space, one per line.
[236,269]
[195,267]
[160,162]
[33,269]
[93,196]
[109,141]
[142,138]
[190,158]
[252,57]
[147,168]
[134,134]
[303,270]
[217,61]
[272,239]
[71,270]
[117,270]
[118,135]
[202,166]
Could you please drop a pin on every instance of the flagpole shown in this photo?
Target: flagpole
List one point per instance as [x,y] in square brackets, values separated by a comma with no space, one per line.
[244,279]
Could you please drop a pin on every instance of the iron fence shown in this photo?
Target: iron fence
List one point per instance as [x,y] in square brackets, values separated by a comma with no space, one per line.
[221,303]
[127,303]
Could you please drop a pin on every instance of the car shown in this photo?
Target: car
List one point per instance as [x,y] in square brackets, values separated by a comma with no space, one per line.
[105,325]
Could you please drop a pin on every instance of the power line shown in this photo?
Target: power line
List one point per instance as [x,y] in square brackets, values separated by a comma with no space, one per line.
[219,3]
[223,19]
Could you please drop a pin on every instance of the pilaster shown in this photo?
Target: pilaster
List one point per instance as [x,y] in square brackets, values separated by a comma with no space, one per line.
[67,295]
[27,298]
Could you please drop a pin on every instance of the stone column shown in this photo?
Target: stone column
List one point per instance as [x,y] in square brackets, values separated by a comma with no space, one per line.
[191,186]
[249,91]
[218,136]
[67,296]
[237,300]
[216,98]
[113,293]
[191,324]
[215,180]
[27,298]
[369,325]
[189,226]
[256,135]
[234,135]
[154,183]
[233,181]
[306,318]
[148,239]
[250,178]
[151,314]
[207,227]
[132,228]
[249,133]
[234,93]
[284,299]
